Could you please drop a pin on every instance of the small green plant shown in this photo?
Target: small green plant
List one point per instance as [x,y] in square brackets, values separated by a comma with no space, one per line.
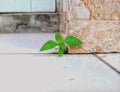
[69,40]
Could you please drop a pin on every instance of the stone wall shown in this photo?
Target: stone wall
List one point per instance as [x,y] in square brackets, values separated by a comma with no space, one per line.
[29,23]
[97,23]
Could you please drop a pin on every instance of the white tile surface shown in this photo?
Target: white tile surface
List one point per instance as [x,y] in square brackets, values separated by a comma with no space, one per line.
[14,5]
[43,5]
[48,73]
[24,43]
[27,5]
[112,59]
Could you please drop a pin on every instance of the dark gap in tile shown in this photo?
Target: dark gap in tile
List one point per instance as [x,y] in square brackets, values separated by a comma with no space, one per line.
[114,69]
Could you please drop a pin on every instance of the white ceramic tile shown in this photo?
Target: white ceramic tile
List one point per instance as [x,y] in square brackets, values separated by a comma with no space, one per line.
[112,59]
[24,43]
[43,5]
[14,5]
[48,73]
[65,5]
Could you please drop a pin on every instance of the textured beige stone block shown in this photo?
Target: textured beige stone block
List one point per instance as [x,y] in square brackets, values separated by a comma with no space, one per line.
[94,9]
[98,36]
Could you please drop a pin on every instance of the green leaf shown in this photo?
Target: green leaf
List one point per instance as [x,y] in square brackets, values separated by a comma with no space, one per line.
[58,37]
[72,41]
[61,52]
[61,45]
[48,45]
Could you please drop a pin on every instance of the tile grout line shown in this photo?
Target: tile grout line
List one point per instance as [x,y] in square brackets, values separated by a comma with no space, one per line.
[30,5]
[114,69]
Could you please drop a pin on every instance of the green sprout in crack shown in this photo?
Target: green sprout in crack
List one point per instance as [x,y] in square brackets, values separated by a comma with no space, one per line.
[69,40]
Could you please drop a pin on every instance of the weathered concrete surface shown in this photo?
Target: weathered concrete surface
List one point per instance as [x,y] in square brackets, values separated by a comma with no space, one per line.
[98,36]
[97,23]
[29,23]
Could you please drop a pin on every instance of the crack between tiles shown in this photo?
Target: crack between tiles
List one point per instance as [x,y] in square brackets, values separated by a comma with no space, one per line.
[114,69]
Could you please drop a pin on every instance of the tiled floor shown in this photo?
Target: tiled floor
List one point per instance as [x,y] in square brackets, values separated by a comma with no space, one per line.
[24,43]
[49,73]
[112,60]
[21,71]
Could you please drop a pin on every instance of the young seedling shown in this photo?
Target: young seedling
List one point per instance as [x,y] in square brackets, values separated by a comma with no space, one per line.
[69,40]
